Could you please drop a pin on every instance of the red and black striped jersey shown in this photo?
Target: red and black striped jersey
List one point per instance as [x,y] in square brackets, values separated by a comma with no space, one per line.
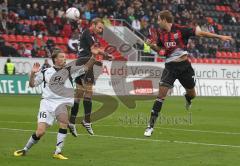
[176,39]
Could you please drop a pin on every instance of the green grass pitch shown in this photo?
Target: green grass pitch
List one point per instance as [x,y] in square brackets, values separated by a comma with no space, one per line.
[208,136]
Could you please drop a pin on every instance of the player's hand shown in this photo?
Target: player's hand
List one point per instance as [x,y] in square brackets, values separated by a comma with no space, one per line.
[109,57]
[36,68]
[226,38]
[148,41]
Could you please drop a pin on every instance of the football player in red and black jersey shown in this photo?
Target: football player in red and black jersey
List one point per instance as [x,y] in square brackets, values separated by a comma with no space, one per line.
[173,39]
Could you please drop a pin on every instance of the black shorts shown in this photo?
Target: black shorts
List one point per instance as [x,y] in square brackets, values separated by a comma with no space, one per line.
[182,71]
[89,76]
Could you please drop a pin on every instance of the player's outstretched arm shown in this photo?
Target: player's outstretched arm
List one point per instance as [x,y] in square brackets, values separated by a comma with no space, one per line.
[213,35]
[101,51]
[35,69]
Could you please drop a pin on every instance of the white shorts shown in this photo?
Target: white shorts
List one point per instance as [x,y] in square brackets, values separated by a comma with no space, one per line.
[47,111]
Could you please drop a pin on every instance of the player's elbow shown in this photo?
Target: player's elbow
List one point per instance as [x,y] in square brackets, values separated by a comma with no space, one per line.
[200,33]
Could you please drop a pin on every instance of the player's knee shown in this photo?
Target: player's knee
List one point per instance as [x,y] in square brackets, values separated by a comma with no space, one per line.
[88,93]
[79,93]
[162,95]
[63,125]
[191,94]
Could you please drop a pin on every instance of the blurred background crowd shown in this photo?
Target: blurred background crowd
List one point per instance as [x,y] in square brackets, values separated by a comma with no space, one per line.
[42,18]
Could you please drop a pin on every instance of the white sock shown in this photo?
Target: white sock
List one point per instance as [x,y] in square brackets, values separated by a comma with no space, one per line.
[32,140]
[62,134]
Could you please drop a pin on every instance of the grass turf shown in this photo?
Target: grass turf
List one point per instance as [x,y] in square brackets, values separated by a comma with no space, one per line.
[208,136]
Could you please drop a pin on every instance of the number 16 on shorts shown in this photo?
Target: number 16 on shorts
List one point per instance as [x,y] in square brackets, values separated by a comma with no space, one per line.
[45,117]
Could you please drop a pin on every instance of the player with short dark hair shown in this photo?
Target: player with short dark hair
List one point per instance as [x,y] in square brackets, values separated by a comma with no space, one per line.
[174,38]
[84,85]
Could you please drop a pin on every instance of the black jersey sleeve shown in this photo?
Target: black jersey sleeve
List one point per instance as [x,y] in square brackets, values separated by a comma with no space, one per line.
[88,38]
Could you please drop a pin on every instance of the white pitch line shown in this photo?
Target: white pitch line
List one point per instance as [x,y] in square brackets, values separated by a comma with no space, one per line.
[137,126]
[188,130]
[139,139]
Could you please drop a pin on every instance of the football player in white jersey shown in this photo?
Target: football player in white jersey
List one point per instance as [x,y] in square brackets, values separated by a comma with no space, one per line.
[57,94]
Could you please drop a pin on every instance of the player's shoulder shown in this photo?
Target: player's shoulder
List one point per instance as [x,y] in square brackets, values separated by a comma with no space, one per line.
[178,26]
[49,70]
[86,32]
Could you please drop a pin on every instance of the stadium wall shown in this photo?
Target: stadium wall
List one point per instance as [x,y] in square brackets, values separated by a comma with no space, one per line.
[133,78]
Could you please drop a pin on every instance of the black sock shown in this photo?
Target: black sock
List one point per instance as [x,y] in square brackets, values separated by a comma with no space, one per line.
[74,112]
[155,111]
[34,136]
[87,103]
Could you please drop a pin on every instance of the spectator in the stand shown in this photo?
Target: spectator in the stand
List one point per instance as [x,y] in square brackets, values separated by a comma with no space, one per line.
[9,67]
[227,46]
[227,19]
[45,65]
[23,51]
[26,29]
[136,25]
[50,46]
[106,21]
[3,25]
[53,28]
[145,27]
[7,51]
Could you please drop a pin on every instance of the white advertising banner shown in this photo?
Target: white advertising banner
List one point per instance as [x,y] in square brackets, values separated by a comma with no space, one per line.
[142,78]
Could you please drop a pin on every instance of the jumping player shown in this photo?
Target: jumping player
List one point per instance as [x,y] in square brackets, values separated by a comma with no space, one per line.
[84,84]
[174,38]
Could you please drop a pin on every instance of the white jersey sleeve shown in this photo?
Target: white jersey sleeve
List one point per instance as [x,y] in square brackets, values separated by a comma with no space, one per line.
[38,78]
[79,72]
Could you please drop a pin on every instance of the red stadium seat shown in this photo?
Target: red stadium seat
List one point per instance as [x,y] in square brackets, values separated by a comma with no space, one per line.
[65,40]
[224,54]
[228,55]
[29,46]
[26,39]
[218,54]
[217,61]
[28,22]
[5,37]
[32,38]
[63,48]
[200,60]
[234,61]
[72,56]
[45,38]
[193,60]
[19,38]
[59,40]
[238,55]
[52,38]
[234,55]
[159,60]
[11,38]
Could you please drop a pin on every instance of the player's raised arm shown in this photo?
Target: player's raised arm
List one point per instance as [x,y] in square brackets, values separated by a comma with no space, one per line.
[201,33]
[35,69]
